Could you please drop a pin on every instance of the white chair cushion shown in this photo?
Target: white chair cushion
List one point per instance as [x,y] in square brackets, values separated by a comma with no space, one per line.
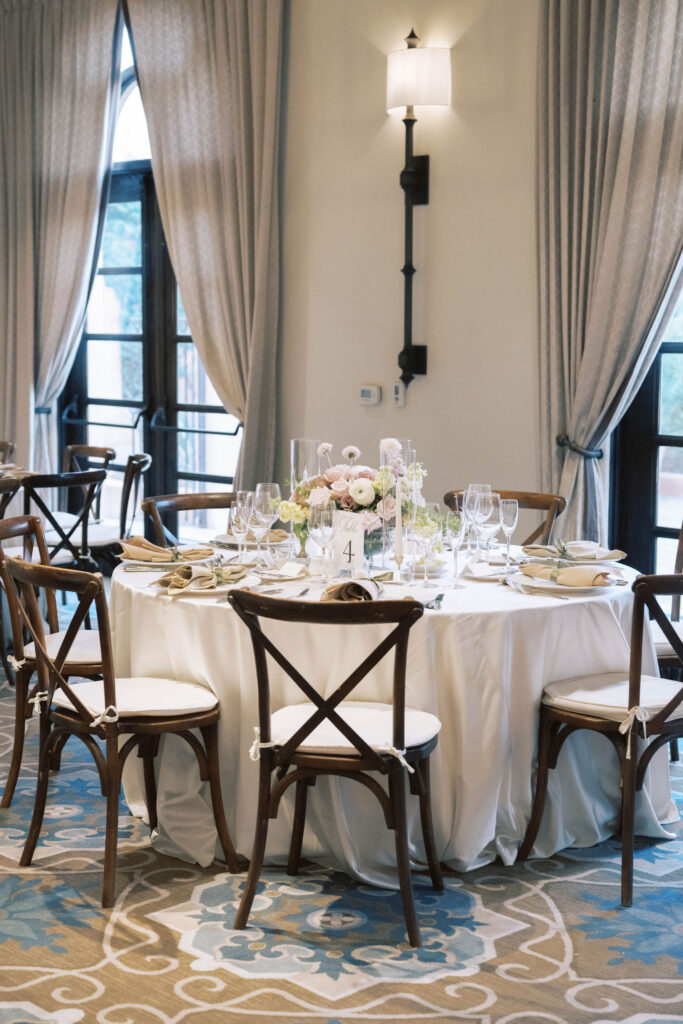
[662,646]
[143,696]
[606,695]
[85,648]
[374,722]
[102,534]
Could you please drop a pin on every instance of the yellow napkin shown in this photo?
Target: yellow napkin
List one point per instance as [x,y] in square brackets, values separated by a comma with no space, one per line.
[142,550]
[276,537]
[574,576]
[352,590]
[199,577]
[577,550]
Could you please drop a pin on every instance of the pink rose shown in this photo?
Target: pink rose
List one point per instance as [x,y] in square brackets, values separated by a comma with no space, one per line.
[386,508]
[339,487]
[319,496]
[336,473]
[347,502]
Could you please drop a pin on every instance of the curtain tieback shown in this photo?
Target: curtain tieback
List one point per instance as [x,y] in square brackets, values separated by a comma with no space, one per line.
[563,441]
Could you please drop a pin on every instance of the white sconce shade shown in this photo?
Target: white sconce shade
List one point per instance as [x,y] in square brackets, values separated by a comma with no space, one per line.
[420,76]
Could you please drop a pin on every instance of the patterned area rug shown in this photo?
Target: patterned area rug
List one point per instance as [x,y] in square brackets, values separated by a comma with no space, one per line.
[542,942]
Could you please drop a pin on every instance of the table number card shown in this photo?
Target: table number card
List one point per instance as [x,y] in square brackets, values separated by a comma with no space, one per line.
[349,538]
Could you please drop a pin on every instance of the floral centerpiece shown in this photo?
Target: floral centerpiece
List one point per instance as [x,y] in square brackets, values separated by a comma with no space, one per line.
[353,487]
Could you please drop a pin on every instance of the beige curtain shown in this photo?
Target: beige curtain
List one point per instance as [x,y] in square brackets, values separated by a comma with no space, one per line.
[610,203]
[209,75]
[55,115]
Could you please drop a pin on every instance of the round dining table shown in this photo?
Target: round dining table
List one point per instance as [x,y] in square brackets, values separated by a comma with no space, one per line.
[479,662]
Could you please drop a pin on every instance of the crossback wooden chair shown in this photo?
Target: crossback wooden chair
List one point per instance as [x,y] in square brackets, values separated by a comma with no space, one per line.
[124,713]
[6,450]
[76,458]
[67,541]
[335,736]
[624,707]
[166,504]
[104,538]
[8,489]
[25,534]
[551,504]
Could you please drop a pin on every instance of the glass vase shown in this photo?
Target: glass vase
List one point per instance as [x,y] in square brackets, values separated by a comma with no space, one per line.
[305,461]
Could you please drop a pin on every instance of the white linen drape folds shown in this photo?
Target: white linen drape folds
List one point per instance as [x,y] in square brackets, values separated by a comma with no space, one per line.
[610,204]
[209,75]
[56,110]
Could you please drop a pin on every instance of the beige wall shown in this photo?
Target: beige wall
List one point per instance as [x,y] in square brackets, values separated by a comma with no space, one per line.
[475,414]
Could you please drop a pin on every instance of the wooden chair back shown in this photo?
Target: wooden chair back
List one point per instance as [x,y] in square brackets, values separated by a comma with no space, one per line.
[551,504]
[6,450]
[8,488]
[165,504]
[401,614]
[647,589]
[678,567]
[25,580]
[28,531]
[67,537]
[136,466]
[77,458]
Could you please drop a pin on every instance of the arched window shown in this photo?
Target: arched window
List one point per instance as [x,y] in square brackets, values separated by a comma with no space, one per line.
[138,383]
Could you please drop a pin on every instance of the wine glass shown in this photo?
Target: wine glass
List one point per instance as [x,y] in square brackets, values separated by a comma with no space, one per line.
[509,513]
[454,528]
[259,525]
[267,500]
[238,527]
[471,511]
[245,502]
[489,516]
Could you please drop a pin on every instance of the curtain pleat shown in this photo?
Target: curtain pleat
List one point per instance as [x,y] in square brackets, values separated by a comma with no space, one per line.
[610,221]
[209,75]
[57,100]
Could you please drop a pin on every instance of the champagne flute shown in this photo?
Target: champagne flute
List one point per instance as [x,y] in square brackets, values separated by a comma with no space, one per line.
[454,528]
[509,513]
[238,527]
[321,528]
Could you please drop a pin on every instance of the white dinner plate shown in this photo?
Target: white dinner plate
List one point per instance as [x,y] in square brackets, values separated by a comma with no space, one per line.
[535,583]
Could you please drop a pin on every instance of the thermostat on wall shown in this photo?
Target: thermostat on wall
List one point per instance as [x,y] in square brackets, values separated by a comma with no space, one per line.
[370,394]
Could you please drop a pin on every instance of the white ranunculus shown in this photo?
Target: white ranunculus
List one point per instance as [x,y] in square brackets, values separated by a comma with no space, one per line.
[362,491]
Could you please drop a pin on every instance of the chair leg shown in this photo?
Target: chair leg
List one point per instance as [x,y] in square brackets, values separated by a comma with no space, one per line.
[628,802]
[46,743]
[297,839]
[113,775]
[56,756]
[20,715]
[397,794]
[9,672]
[428,827]
[147,751]
[541,787]
[259,847]
[210,734]
[673,747]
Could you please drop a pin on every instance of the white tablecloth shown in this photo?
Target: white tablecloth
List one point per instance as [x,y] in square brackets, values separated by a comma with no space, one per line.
[480,664]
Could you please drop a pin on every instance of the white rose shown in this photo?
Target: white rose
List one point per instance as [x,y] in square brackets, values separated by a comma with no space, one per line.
[362,491]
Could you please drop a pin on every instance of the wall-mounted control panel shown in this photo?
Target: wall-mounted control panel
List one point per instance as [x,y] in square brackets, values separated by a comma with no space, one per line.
[370,394]
[399,394]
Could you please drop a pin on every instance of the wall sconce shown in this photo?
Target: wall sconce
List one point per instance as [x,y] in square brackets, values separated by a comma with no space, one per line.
[416,76]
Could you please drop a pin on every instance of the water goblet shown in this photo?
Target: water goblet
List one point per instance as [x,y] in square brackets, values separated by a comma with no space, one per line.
[509,513]
[267,500]
[489,525]
[321,526]
[428,532]
[471,511]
